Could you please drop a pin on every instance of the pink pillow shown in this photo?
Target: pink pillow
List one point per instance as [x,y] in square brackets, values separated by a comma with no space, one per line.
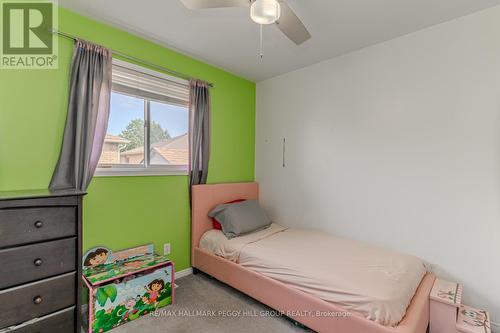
[216,225]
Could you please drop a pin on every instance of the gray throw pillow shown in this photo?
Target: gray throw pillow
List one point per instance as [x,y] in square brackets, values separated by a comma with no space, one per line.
[240,218]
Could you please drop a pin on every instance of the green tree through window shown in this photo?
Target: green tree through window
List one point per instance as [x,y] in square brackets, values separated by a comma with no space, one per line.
[134,132]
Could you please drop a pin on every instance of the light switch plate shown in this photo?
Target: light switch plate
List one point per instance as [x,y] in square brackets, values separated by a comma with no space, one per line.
[166,248]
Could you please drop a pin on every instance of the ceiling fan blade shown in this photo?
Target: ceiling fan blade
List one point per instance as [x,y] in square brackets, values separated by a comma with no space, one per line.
[200,4]
[291,25]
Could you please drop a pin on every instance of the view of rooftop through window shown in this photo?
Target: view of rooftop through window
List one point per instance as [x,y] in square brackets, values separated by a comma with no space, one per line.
[125,139]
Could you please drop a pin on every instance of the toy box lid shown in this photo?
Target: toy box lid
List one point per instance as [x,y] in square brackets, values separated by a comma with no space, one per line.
[101,265]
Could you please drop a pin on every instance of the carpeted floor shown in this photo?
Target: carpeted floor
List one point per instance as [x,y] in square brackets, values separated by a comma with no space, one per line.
[220,309]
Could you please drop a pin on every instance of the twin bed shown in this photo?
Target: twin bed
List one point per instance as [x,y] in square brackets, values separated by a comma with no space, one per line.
[327,283]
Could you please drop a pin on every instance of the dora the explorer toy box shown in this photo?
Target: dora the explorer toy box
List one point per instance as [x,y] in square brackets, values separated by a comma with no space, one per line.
[125,285]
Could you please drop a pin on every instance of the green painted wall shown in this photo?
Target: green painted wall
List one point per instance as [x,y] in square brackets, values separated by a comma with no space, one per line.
[120,212]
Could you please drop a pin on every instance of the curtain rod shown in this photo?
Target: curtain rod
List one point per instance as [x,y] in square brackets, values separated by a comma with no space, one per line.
[134,59]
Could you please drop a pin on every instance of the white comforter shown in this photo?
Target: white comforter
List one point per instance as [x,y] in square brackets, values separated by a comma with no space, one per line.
[373,281]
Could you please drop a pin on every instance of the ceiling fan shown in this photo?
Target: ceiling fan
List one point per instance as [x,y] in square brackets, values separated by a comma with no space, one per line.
[262,12]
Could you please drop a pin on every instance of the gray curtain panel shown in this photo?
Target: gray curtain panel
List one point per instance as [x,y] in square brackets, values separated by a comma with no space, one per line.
[199,143]
[87,119]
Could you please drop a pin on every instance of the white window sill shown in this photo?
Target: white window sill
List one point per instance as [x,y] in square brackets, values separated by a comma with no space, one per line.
[133,172]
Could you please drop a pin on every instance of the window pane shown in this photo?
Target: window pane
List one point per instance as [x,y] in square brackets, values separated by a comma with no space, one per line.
[124,142]
[168,134]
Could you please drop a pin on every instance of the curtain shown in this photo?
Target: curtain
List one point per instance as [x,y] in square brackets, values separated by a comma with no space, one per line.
[87,118]
[199,129]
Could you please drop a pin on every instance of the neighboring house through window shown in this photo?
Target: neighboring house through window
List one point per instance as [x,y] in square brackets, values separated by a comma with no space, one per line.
[148,124]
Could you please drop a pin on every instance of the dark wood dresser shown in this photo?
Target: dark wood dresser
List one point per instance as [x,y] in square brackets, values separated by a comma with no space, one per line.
[40,261]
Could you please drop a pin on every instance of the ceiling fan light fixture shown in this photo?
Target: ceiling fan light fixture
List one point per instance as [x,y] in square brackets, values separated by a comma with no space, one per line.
[265,11]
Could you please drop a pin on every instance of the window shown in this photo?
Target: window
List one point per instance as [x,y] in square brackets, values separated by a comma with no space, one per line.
[148,124]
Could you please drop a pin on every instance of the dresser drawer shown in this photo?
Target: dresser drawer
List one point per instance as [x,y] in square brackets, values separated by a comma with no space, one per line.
[33,300]
[59,322]
[33,262]
[27,225]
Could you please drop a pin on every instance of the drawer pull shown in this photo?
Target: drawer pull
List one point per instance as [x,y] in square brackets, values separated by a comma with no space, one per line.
[38,262]
[38,224]
[38,300]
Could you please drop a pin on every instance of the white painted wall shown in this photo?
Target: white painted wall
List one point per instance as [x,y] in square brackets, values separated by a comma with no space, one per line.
[396,144]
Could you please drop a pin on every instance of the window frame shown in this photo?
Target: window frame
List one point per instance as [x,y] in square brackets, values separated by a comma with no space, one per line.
[147,169]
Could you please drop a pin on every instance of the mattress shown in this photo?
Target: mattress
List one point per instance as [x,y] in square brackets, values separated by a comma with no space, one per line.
[372,281]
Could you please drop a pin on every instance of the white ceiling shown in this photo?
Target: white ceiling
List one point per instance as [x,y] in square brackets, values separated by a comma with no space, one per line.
[227,38]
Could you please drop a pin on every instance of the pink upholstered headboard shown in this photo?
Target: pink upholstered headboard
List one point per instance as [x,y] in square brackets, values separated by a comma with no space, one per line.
[206,197]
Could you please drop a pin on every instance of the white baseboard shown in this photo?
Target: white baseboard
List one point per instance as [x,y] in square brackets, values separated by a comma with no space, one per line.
[495,327]
[183,273]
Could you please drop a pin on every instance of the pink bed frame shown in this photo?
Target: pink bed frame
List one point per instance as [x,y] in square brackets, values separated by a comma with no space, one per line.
[280,296]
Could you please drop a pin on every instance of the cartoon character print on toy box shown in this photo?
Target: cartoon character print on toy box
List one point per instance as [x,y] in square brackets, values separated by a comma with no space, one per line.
[100,263]
[97,257]
[128,299]
[125,285]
